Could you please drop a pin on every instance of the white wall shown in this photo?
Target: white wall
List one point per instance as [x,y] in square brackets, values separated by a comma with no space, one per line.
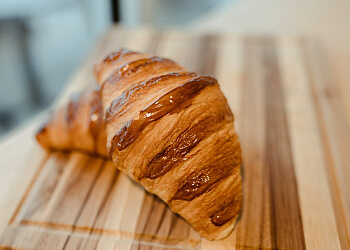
[42,42]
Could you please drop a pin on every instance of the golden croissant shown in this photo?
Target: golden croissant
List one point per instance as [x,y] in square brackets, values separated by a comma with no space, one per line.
[169,129]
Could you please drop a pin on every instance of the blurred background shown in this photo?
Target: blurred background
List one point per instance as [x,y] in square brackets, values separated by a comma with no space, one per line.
[42,42]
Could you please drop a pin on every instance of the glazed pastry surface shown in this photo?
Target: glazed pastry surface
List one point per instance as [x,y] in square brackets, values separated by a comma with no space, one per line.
[169,129]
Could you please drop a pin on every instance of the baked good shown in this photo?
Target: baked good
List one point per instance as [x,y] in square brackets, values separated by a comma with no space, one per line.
[172,131]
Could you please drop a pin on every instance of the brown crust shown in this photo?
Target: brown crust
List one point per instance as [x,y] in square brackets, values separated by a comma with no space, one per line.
[122,104]
[135,66]
[179,149]
[192,158]
[174,100]
[167,128]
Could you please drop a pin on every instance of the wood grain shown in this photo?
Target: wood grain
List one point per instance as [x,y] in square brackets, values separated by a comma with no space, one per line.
[335,131]
[295,141]
[307,149]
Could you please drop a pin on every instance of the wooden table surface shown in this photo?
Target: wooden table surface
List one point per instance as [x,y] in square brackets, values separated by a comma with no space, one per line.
[295,137]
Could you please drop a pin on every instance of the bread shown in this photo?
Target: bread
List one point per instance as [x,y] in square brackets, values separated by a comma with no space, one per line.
[172,131]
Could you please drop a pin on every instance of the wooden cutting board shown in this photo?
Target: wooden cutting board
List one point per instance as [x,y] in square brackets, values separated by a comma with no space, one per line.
[295,135]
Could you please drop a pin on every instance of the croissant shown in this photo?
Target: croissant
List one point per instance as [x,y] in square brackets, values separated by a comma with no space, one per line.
[169,129]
